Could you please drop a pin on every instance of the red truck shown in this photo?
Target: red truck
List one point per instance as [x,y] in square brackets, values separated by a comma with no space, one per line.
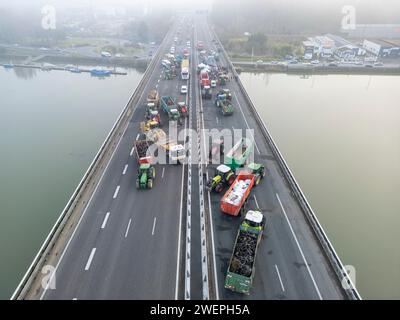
[233,201]
[204,78]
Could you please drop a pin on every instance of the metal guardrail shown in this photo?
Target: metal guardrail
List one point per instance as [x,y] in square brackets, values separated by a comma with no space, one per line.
[117,131]
[330,252]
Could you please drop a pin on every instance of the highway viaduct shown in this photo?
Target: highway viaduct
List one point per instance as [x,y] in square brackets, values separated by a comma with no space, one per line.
[113,241]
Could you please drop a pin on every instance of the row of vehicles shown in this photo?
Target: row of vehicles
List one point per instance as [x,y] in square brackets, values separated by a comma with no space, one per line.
[236,177]
[151,132]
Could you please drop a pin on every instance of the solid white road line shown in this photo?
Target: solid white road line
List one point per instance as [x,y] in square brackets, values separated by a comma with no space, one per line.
[213,246]
[133,149]
[280,279]
[89,262]
[162,174]
[255,199]
[126,168]
[216,118]
[127,228]
[301,251]
[137,137]
[116,192]
[237,100]
[154,226]
[105,220]
[179,231]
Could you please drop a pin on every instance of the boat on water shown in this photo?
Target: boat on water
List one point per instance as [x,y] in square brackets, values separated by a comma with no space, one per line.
[100,72]
[72,68]
[8,65]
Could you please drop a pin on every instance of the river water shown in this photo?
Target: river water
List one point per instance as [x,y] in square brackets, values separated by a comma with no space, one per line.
[51,126]
[340,135]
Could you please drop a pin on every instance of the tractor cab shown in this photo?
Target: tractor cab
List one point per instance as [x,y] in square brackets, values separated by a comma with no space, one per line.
[228,94]
[258,170]
[145,176]
[183,109]
[254,221]
[223,176]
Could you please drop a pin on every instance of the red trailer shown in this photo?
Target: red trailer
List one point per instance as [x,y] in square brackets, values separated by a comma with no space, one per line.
[233,200]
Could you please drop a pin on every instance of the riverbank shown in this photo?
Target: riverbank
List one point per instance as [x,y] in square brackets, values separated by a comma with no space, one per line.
[126,62]
[317,69]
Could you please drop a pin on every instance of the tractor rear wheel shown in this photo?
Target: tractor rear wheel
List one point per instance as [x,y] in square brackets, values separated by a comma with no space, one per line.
[137,184]
[263,172]
[258,180]
[150,183]
[219,187]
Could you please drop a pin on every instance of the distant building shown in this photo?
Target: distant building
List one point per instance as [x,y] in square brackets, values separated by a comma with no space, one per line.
[382,48]
[328,45]
[375,31]
[319,45]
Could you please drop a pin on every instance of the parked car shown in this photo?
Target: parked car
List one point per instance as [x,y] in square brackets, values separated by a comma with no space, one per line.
[378,64]
[315,62]
[259,61]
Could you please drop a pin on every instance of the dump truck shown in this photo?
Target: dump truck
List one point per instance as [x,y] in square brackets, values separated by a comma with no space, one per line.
[170,108]
[145,176]
[204,78]
[141,147]
[153,97]
[237,156]
[222,102]
[240,274]
[234,200]
[185,69]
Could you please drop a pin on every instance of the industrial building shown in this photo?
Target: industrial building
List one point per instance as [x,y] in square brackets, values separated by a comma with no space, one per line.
[382,48]
[329,45]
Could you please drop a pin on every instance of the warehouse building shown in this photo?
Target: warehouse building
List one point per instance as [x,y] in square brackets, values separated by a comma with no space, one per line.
[381,48]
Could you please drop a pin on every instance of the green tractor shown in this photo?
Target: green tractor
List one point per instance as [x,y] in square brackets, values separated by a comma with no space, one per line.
[146,176]
[224,176]
[167,74]
[258,170]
